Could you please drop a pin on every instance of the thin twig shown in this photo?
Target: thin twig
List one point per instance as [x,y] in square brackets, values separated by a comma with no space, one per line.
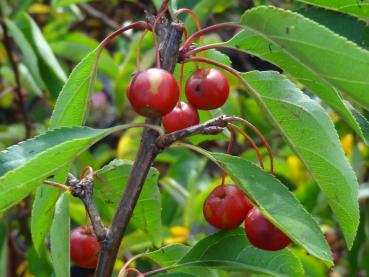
[57,185]
[18,88]
[83,189]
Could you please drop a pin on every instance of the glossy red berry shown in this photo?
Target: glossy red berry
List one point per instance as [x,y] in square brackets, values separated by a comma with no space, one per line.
[153,92]
[207,89]
[182,116]
[226,207]
[263,234]
[84,247]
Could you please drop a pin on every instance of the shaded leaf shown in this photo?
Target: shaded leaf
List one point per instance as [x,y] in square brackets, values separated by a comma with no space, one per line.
[231,251]
[297,117]
[25,165]
[59,236]
[353,7]
[110,183]
[294,43]
[51,72]
[43,209]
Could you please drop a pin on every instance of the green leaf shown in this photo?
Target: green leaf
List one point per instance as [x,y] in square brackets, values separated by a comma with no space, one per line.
[59,237]
[29,57]
[25,165]
[110,183]
[43,209]
[51,72]
[169,255]
[310,133]
[277,203]
[341,24]
[72,104]
[353,7]
[294,43]
[231,251]
[66,3]
[38,263]
[3,248]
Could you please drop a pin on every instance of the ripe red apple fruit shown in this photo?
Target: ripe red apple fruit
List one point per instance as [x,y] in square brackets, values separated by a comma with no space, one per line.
[262,233]
[182,116]
[226,207]
[153,92]
[84,247]
[207,89]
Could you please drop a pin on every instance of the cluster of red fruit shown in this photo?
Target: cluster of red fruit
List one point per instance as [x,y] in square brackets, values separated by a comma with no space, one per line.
[227,207]
[155,92]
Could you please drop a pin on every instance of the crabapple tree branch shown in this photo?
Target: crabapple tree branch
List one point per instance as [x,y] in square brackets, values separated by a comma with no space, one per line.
[170,34]
[211,127]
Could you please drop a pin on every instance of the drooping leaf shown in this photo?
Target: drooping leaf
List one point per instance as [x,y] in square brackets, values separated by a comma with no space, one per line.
[353,7]
[72,104]
[109,185]
[231,251]
[25,165]
[59,237]
[51,72]
[277,204]
[310,133]
[43,209]
[294,43]
[70,110]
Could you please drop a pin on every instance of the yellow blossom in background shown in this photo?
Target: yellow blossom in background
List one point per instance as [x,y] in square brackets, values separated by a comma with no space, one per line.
[39,8]
[346,142]
[179,235]
[296,171]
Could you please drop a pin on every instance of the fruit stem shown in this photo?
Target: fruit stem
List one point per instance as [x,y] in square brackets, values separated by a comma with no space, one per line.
[136,271]
[207,47]
[138,50]
[181,81]
[197,22]
[125,267]
[251,90]
[207,30]
[263,139]
[229,148]
[251,141]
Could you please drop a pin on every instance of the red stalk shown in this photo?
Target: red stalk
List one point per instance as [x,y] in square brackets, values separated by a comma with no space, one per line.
[248,86]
